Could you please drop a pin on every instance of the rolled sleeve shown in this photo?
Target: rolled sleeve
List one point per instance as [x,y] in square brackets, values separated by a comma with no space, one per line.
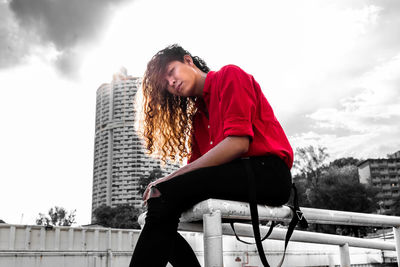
[238,127]
[237,102]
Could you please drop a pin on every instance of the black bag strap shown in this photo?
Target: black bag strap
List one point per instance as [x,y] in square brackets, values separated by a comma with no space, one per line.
[297,215]
[253,211]
[250,243]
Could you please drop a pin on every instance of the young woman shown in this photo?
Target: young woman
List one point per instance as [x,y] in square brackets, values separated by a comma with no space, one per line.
[217,119]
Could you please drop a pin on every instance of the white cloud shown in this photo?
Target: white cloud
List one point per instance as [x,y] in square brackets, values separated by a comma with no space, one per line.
[379,99]
[371,117]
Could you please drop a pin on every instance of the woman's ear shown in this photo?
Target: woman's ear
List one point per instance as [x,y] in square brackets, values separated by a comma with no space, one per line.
[188,59]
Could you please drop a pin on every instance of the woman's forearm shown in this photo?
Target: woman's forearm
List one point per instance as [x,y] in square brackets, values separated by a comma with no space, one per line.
[227,150]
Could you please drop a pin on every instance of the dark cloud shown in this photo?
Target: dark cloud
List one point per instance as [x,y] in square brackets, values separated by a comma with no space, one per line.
[64,24]
[13,40]
[68,62]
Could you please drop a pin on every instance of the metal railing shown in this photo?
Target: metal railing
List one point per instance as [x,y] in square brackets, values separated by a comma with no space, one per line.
[213,211]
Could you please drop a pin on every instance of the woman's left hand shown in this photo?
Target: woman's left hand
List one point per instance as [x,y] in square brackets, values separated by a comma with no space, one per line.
[151,192]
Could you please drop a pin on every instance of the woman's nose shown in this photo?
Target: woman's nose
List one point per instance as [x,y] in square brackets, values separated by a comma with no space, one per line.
[172,82]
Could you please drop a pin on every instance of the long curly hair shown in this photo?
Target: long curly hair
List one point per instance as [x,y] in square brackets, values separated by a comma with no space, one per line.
[168,118]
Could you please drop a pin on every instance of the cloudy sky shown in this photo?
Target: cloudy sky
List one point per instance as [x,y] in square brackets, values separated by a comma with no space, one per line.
[330,69]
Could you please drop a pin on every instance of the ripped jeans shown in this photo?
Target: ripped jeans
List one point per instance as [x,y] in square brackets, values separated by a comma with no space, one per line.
[159,241]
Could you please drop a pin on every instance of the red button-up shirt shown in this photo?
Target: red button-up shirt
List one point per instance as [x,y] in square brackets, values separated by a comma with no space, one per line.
[236,106]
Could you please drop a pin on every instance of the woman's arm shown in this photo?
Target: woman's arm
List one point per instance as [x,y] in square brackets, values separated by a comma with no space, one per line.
[227,150]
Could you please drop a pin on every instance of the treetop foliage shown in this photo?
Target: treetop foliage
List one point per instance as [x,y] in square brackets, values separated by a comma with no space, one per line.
[349,161]
[145,180]
[57,216]
[122,216]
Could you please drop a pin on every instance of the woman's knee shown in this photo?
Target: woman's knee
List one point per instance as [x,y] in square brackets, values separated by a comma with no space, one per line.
[154,192]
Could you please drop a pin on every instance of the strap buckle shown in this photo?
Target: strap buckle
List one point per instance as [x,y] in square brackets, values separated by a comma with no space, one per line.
[299,215]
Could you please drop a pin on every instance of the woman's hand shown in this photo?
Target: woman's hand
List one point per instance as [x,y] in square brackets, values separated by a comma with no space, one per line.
[228,149]
[151,191]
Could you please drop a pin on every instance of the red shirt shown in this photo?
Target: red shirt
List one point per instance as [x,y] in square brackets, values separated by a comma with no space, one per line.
[237,107]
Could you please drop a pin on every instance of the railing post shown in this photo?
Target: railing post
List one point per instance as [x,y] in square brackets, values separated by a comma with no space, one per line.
[344,255]
[212,229]
[396,231]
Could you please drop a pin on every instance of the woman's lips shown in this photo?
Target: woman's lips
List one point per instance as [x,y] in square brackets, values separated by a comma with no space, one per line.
[178,88]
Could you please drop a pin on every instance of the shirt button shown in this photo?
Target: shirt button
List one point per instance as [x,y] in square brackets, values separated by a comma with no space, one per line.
[211,143]
[208,126]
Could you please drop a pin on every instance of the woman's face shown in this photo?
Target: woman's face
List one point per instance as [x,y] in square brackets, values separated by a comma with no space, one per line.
[181,77]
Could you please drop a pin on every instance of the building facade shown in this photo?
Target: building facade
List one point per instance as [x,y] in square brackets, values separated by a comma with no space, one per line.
[383,174]
[119,155]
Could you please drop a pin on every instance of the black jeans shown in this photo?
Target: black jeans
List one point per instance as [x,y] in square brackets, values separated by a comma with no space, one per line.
[159,241]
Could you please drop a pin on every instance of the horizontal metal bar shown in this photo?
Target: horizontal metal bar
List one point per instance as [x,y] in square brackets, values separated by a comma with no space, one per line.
[65,228]
[240,211]
[350,218]
[246,230]
[47,253]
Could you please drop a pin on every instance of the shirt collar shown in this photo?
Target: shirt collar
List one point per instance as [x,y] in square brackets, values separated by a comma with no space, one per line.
[206,92]
[207,83]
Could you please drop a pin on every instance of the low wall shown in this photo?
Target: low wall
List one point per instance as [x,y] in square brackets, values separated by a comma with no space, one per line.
[38,246]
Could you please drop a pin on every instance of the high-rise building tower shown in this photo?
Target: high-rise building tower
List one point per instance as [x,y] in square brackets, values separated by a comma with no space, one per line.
[119,154]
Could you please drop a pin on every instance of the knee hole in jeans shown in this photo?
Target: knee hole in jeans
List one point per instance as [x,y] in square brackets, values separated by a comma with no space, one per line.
[154,192]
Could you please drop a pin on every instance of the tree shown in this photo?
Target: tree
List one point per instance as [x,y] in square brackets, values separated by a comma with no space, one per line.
[395,207]
[57,216]
[122,216]
[339,189]
[145,180]
[1,221]
[332,186]
[302,192]
[341,162]
[310,161]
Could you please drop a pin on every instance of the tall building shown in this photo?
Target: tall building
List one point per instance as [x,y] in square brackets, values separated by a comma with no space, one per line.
[119,154]
[383,174]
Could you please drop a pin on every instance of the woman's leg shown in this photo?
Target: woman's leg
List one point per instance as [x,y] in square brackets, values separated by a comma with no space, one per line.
[182,255]
[157,243]
[166,244]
